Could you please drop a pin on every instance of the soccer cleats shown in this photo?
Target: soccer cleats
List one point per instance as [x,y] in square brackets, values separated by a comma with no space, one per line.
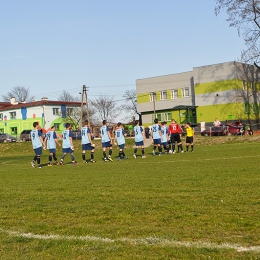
[33,164]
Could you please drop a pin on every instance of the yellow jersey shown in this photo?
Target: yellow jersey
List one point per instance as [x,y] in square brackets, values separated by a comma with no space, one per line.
[189,131]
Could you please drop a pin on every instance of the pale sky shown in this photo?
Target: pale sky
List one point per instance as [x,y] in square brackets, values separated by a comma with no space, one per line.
[56,45]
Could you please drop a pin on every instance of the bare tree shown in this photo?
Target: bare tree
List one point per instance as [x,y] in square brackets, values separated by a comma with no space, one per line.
[130,105]
[248,92]
[245,16]
[19,93]
[66,96]
[104,107]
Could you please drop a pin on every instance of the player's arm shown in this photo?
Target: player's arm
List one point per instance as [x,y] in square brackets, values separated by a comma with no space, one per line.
[40,137]
[109,135]
[143,133]
[151,133]
[89,138]
[71,140]
[115,139]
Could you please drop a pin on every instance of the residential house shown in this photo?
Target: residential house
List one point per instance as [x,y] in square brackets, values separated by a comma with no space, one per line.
[16,117]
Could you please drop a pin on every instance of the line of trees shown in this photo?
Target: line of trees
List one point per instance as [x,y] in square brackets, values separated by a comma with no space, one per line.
[102,107]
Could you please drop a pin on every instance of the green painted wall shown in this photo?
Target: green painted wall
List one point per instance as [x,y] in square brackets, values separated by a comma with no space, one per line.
[6,126]
[210,87]
[143,98]
[223,112]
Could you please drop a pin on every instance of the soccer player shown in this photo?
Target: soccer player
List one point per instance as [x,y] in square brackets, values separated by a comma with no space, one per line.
[156,135]
[120,140]
[189,137]
[86,143]
[165,137]
[139,138]
[106,141]
[51,139]
[67,145]
[37,143]
[174,131]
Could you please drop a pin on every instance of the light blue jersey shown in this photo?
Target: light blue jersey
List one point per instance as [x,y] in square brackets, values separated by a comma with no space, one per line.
[156,131]
[51,137]
[104,134]
[164,131]
[138,130]
[84,135]
[35,137]
[119,135]
[66,134]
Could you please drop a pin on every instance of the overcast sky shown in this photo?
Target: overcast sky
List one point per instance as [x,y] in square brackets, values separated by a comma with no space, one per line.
[56,45]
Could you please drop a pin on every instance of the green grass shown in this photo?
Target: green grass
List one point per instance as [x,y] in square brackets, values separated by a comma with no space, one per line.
[201,205]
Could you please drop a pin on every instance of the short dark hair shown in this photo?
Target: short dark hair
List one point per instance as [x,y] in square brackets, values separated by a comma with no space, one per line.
[188,123]
[104,122]
[136,122]
[35,124]
[85,122]
[67,125]
[156,120]
[119,123]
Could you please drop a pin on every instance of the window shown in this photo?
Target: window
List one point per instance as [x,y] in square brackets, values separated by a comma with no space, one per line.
[1,117]
[174,93]
[57,126]
[69,111]
[55,111]
[163,116]
[163,95]
[14,130]
[185,92]
[12,115]
[152,96]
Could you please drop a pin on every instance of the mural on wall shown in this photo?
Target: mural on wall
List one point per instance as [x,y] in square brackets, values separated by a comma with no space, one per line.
[24,113]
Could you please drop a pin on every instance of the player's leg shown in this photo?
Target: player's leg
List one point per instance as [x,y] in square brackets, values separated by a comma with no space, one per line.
[160,149]
[135,151]
[83,155]
[50,159]
[92,156]
[72,156]
[62,158]
[143,154]
[110,153]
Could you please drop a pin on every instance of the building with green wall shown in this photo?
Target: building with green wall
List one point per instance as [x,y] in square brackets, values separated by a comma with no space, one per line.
[16,117]
[228,91]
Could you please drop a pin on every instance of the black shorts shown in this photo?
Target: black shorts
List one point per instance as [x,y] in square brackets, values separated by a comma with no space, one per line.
[175,138]
[189,139]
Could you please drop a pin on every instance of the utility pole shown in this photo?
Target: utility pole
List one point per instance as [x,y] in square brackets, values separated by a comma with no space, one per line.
[154,97]
[84,97]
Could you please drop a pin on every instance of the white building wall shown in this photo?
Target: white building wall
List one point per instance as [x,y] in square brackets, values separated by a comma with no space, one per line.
[164,83]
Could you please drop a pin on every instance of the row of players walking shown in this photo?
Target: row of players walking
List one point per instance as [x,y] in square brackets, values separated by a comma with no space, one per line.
[163,137]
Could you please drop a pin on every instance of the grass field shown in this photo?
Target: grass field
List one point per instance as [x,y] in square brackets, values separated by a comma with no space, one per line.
[201,205]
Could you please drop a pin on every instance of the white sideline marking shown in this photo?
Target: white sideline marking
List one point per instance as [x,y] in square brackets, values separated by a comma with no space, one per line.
[147,241]
[206,159]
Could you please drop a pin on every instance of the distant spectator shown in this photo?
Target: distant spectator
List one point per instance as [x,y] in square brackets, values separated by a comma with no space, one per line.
[216,123]
[241,129]
[249,131]
[147,132]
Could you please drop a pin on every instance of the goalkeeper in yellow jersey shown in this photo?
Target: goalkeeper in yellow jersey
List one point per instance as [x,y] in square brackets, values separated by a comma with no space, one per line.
[189,137]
